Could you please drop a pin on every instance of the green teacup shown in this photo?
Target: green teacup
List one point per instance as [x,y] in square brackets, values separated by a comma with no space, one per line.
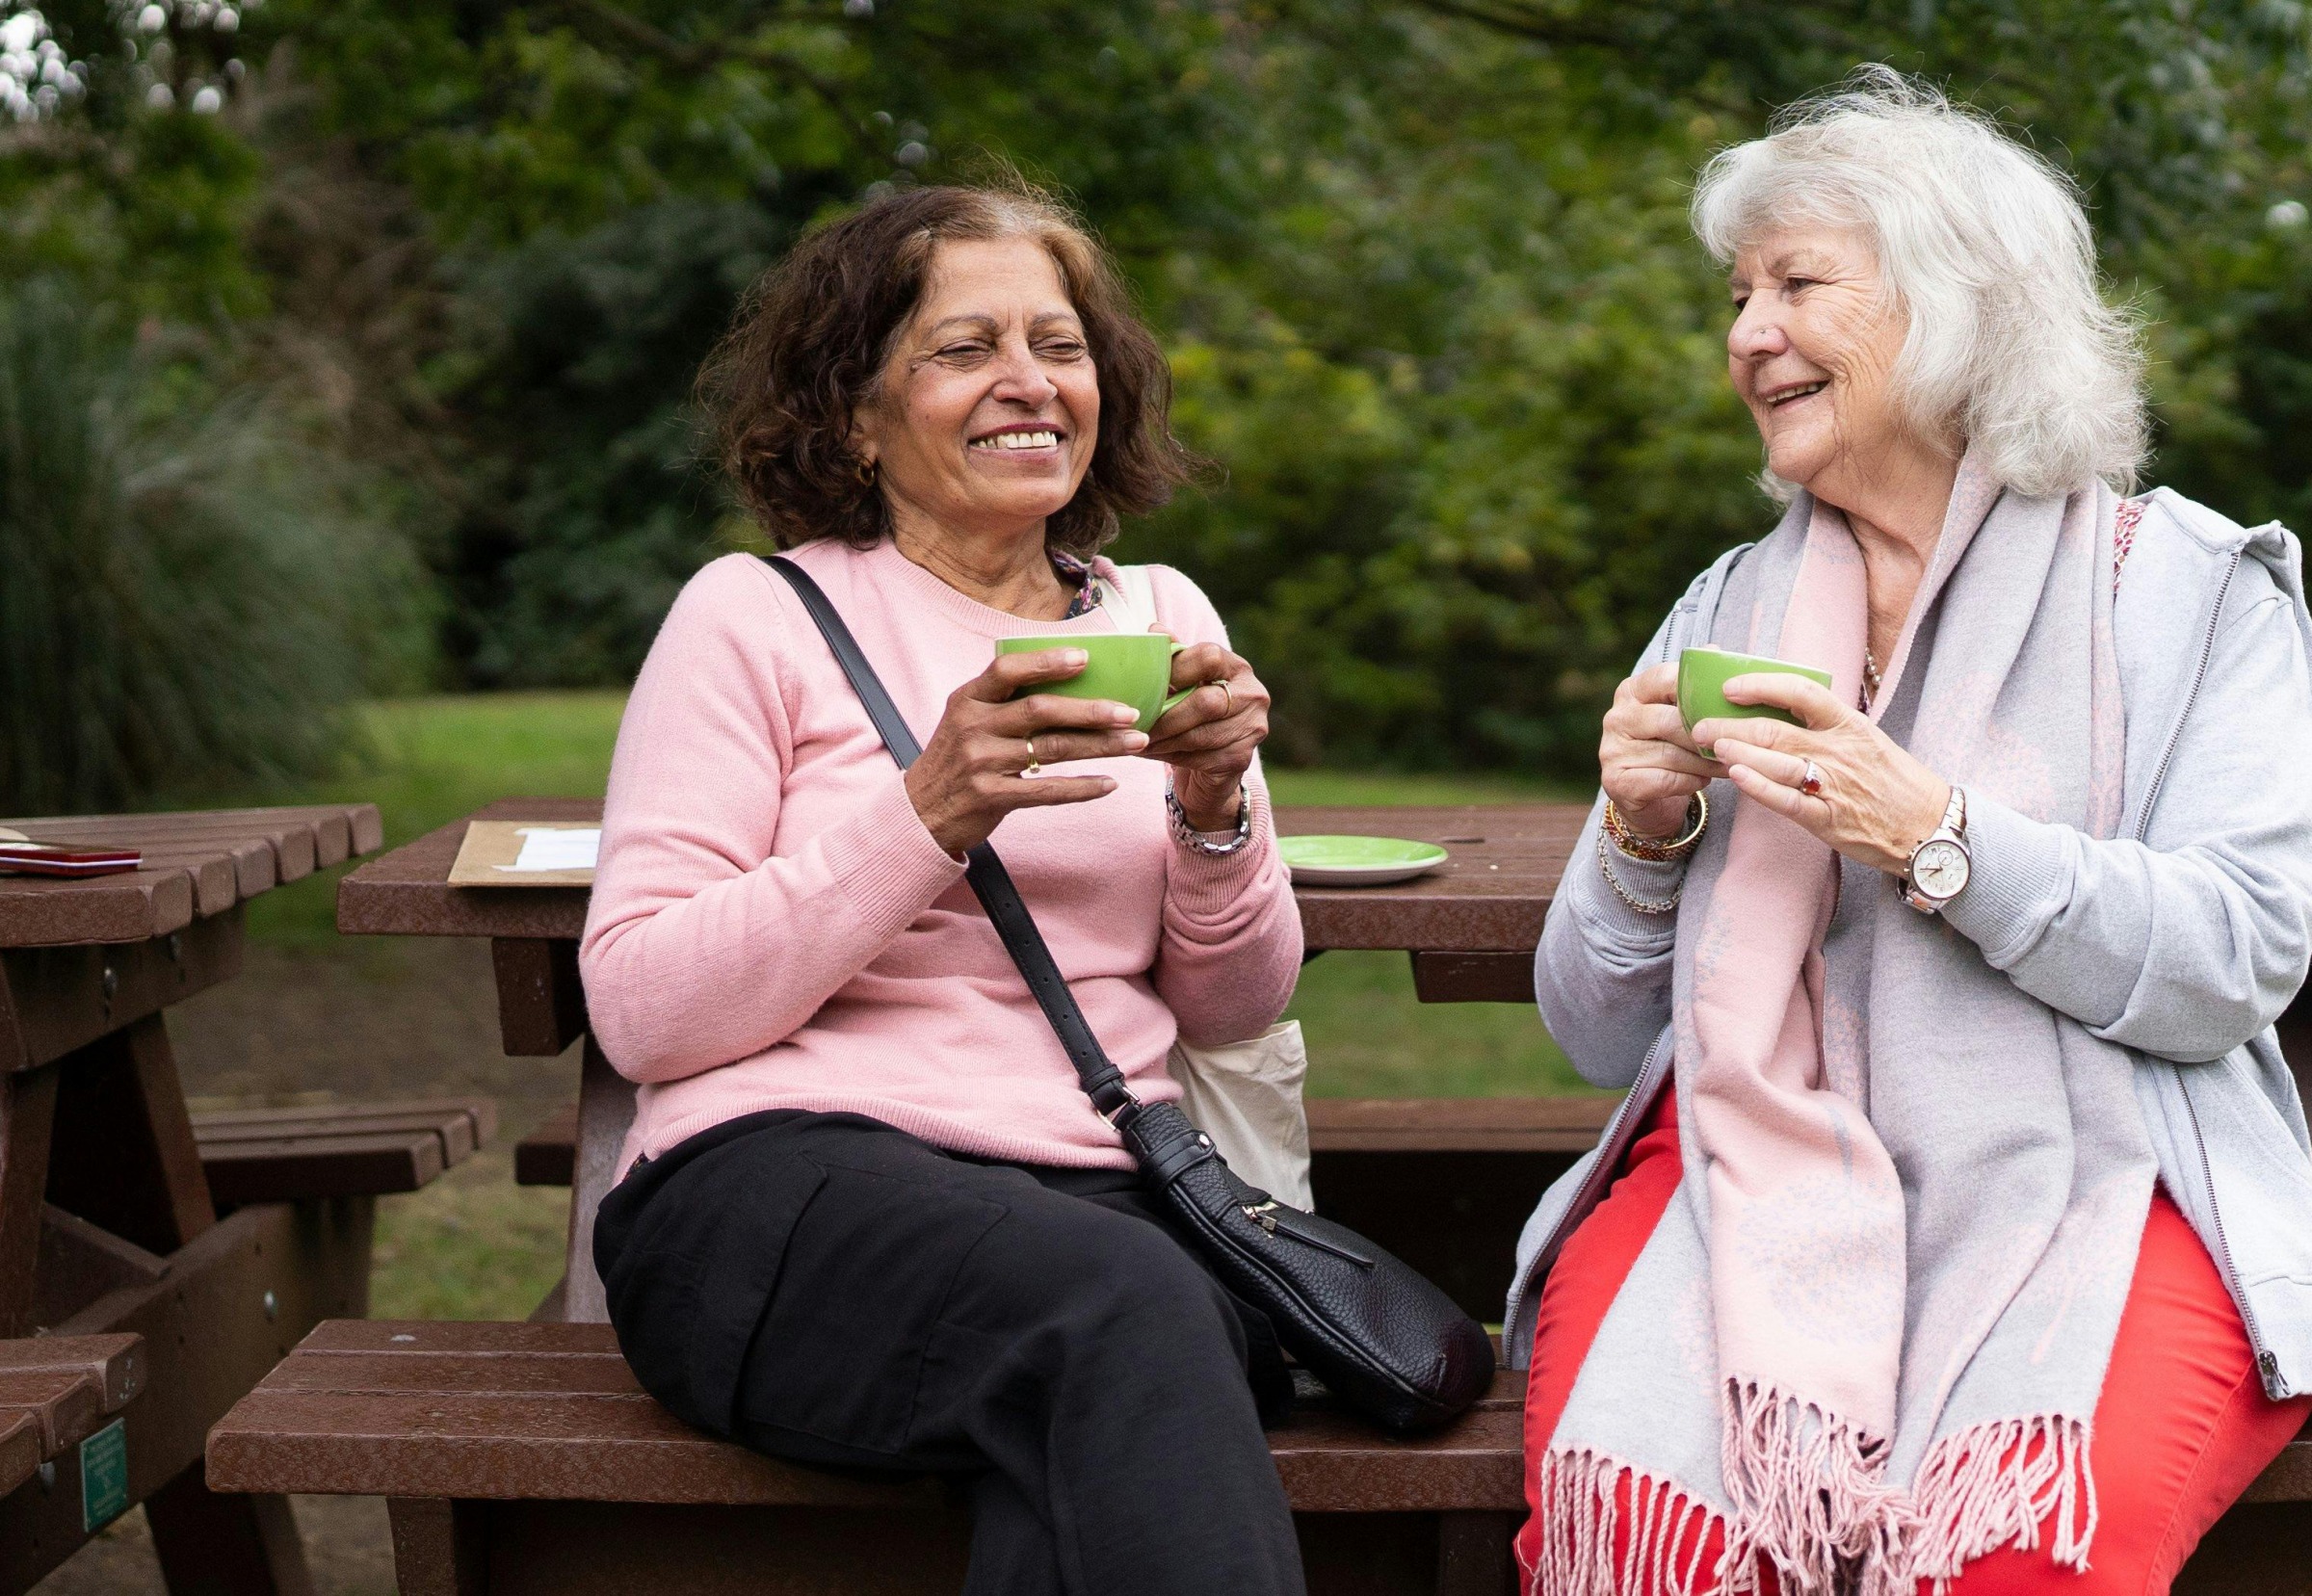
[1703,677]
[1130,667]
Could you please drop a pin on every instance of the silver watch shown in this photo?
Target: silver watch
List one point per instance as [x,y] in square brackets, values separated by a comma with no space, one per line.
[1939,867]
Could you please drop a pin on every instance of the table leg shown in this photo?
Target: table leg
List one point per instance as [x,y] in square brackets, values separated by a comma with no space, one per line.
[605,1112]
[439,1548]
[225,1545]
[125,1155]
[123,1158]
[27,1111]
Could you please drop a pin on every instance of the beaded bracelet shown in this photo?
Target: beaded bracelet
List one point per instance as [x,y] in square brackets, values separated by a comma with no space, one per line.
[1643,905]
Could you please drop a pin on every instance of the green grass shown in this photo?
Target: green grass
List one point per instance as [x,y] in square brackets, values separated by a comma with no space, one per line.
[424,762]
[471,1246]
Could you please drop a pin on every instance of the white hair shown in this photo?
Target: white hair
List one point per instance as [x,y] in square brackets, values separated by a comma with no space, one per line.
[1983,244]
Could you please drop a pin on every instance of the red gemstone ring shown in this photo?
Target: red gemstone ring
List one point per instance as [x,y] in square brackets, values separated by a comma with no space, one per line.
[1810,780]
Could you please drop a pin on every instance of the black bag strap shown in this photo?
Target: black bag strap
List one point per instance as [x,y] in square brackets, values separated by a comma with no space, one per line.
[1103,1083]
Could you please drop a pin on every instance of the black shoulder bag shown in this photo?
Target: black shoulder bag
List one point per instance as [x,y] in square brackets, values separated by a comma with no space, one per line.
[1383,1337]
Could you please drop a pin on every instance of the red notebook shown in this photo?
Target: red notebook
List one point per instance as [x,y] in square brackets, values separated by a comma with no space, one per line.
[60,859]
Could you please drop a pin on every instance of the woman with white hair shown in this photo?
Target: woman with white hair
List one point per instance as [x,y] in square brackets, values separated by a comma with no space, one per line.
[1956,1234]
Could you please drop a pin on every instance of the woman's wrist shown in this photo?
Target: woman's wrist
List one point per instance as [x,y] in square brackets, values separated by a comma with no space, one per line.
[1213,840]
[1216,809]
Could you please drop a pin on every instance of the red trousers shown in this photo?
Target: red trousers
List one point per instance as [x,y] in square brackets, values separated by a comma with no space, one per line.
[2181,1430]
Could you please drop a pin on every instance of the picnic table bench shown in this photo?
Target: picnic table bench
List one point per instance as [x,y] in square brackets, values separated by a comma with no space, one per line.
[146,1252]
[522,1458]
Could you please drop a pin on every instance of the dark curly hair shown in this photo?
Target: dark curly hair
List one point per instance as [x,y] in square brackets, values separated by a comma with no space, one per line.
[814,334]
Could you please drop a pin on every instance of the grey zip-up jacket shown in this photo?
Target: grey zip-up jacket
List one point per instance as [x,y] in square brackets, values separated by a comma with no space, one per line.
[2182,939]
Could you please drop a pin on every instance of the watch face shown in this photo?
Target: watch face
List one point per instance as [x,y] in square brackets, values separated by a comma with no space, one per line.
[1939,869]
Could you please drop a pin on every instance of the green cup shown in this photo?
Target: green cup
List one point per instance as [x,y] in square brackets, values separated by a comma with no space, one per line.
[1129,668]
[1703,677]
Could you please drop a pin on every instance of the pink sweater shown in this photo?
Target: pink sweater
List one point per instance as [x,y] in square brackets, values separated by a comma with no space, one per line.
[773,928]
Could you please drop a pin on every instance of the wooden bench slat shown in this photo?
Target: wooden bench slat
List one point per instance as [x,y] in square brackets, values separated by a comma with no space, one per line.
[337,1149]
[68,1403]
[585,1449]
[426,1337]
[454,1132]
[551,1411]
[502,1374]
[481,1113]
[116,1362]
[241,1172]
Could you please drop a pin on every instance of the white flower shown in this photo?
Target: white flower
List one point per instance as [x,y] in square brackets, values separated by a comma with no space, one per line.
[2286,215]
[208,99]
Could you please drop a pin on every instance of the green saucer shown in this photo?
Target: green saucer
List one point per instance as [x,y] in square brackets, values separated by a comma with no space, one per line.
[1357,861]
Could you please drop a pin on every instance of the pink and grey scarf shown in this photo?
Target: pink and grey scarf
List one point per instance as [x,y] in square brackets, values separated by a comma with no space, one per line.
[1867,1338]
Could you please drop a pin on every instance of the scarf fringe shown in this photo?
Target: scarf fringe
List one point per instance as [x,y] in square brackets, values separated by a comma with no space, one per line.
[1578,1505]
[1809,1494]
[1994,1485]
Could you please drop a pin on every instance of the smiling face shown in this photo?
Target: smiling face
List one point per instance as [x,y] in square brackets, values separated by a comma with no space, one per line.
[1813,346]
[988,411]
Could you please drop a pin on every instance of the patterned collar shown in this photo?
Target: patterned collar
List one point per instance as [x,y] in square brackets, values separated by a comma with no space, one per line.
[1076,574]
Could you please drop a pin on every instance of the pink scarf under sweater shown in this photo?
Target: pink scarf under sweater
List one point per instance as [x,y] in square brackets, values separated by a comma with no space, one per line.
[1868,1337]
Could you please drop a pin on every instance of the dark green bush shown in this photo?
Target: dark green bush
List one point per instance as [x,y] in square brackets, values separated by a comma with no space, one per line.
[189,597]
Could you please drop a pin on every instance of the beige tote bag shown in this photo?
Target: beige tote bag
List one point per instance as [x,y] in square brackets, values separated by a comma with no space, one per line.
[1244,1095]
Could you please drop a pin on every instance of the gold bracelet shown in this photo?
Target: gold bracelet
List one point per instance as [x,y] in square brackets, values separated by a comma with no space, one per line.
[1643,905]
[1651,850]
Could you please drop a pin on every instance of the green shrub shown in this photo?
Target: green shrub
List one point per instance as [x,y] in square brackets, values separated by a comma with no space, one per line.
[190,597]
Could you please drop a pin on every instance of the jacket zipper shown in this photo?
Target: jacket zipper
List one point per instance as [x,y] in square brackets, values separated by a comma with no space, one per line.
[2268,1364]
[1586,1196]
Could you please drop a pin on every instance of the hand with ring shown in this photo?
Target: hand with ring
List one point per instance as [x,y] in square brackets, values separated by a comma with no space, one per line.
[1210,736]
[1838,775]
[1646,763]
[977,766]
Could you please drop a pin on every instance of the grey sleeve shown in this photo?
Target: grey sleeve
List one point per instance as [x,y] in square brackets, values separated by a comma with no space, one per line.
[2189,943]
[1601,975]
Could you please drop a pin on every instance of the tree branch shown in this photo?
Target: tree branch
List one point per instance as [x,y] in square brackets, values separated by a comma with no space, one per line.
[653,41]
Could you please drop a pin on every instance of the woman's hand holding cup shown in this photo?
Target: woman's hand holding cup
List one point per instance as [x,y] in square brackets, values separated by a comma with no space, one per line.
[1209,737]
[1648,765]
[969,776]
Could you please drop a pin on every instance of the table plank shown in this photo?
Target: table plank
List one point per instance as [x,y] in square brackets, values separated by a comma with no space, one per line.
[407,892]
[197,864]
[116,1363]
[1490,897]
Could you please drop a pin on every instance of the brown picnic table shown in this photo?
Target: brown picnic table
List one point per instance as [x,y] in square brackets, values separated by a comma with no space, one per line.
[522,1458]
[136,1301]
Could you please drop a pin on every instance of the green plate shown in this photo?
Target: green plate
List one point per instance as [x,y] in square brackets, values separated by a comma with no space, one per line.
[1357,861]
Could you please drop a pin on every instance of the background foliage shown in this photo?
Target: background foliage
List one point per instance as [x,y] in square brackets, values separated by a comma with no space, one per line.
[1422,265]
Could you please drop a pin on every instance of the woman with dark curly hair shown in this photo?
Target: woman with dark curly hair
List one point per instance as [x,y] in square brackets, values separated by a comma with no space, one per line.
[870,1219]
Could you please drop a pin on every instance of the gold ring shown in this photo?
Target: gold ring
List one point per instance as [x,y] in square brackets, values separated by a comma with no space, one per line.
[1034,765]
[1228,696]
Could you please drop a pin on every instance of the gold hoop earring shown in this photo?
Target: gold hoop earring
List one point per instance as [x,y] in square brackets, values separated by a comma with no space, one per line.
[865,471]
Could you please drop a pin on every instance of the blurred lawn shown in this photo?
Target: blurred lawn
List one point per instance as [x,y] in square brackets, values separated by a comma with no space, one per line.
[475,1246]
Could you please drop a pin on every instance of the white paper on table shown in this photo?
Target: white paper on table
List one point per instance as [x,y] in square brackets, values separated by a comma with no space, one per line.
[555,848]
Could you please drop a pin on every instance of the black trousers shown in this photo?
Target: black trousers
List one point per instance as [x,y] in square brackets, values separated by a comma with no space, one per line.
[831,1291]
